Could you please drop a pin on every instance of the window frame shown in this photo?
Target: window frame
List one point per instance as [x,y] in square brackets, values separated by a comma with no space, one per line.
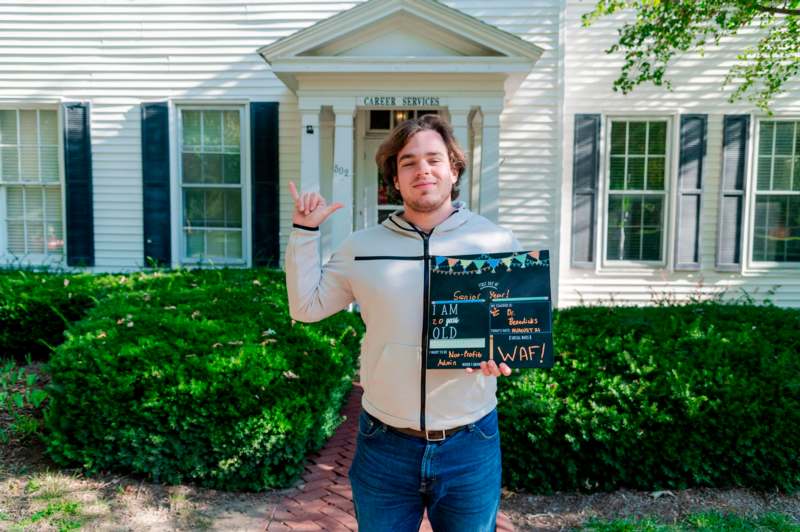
[37,259]
[751,184]
[605,265]
[176,181]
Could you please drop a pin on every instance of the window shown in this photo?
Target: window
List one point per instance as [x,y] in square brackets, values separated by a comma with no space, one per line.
[211,184]
[776,225]
[30,183]
[636,191]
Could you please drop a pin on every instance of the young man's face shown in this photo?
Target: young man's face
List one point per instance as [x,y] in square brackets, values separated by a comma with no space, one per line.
[424,175]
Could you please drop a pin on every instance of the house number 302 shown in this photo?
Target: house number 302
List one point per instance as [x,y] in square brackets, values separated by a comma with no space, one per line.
[340,170]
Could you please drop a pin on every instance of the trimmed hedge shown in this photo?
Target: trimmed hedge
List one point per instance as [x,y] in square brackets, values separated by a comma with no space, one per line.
[653,398]
[199,376]
[36,308]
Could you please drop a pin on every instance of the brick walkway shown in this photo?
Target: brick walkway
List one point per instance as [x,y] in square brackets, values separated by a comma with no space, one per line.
[323,500]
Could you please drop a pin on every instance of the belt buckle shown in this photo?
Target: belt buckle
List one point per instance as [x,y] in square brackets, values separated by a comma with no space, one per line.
[436,432]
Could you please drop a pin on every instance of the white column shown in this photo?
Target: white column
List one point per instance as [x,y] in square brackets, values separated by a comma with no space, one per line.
[490,165]
[458,119]
[342,220]
[309,149]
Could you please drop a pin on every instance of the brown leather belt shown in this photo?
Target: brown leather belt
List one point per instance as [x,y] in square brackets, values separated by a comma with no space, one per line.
[430,435]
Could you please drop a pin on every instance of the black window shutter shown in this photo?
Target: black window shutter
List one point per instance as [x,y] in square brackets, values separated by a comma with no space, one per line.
[78,184]
[735,132]
[264,149]
[691,165]
[155,184]
[585,173]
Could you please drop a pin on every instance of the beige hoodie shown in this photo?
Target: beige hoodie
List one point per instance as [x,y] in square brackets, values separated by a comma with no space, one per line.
[383,269]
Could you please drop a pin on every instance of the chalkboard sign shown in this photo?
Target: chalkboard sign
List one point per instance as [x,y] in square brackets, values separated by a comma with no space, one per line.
[493,306]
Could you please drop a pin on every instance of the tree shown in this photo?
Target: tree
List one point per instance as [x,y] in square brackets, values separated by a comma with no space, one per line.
[666,28]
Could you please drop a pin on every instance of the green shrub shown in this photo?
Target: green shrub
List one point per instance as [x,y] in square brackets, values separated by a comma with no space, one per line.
[36,308]
[653,398]
[199,376]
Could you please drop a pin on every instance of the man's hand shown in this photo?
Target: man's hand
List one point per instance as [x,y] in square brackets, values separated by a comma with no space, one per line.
[491,368]
[310,208]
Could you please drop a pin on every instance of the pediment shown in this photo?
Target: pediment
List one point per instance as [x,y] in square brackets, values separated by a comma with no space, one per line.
[400,28]
[402,34]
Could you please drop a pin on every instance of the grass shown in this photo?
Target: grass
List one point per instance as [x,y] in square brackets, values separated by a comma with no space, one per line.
[703,521]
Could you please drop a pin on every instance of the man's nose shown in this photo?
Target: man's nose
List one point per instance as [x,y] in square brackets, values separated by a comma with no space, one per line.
[424,168]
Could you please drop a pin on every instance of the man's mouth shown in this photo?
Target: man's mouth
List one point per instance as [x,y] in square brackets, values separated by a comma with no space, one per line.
[426,184]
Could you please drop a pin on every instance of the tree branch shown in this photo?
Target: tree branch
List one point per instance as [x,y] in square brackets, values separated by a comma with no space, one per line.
[778,10]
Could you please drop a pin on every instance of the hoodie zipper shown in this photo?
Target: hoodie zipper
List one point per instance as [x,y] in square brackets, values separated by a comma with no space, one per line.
[425,319]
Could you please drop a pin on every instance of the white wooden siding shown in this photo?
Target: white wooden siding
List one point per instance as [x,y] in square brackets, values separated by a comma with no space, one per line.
[697,83]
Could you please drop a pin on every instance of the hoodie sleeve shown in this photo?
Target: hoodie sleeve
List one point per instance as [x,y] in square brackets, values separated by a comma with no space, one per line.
[316,292]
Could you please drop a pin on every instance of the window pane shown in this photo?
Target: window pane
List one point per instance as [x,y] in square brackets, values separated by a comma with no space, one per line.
[212,130]
[632,244]
[618,138]
[764,172]
[782,174]
[9,164]
[233,240]
[233,208]
[33,204]
[651,243]
[195,243]
[796,179]
[215,208]
[27,126]
[53,203]
[231,128]
[192,168]
[16,238]
[191,128]
[379,120]
[30,163]
[636,137]
[216,244]
[772,232]
[49,164]
[784,138]
[15,208]
[8,127]
[35,237]
[635,173]
[655,173]
[765,138]
[55,237]
[652,212]
[793,226]
[232,168]
[48,124]
[658,138]
[194,207]
[617,173]
[212,167]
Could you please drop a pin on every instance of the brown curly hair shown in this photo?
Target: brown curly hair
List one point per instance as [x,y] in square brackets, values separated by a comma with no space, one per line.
[386,156]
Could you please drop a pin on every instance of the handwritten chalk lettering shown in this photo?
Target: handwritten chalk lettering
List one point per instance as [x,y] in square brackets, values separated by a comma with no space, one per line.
[446,309]
[523,321]
[521,353]
[340,170]
[525,329]
[443,362]
[458,295]
[451,321]
[464,354]
[499,295]
[443,333]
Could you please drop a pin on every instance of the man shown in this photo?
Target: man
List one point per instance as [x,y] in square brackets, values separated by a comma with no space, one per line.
[427,438]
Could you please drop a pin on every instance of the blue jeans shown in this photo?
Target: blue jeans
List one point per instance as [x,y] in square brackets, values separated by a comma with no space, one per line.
[395,477]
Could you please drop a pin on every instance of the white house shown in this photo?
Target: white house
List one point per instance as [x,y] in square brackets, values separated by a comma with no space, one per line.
[140,131]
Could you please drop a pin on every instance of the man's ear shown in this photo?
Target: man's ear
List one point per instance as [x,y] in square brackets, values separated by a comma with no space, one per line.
[396,183]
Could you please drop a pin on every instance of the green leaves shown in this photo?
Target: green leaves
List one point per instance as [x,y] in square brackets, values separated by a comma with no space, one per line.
[664,397]
[193,391]
[664,29]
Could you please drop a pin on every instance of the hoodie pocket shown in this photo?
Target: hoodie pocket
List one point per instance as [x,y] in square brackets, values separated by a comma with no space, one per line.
[394,381]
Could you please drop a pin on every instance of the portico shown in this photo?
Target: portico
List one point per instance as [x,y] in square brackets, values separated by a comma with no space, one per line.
[359,72]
